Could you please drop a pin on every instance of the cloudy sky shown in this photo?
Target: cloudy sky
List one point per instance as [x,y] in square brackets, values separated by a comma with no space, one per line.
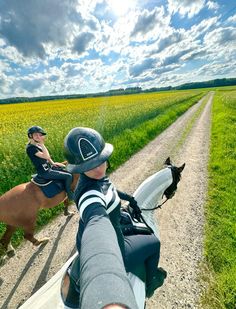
[52,47]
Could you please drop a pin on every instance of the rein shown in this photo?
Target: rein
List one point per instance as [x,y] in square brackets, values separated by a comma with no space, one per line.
[144,221]
[156,207]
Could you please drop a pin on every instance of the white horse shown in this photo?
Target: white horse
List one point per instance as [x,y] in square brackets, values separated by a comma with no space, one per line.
[149,196]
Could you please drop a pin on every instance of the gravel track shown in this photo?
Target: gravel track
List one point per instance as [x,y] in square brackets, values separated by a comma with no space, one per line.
[181,221]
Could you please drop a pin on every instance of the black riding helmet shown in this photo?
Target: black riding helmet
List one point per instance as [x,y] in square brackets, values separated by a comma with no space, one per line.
[35,129]
[85,149]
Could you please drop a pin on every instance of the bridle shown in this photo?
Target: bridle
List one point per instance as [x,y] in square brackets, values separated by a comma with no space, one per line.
[176,175]
[156,207]
[176,178]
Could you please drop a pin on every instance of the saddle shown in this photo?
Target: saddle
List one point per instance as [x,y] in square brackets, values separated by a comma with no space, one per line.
[130,227]
[50,188]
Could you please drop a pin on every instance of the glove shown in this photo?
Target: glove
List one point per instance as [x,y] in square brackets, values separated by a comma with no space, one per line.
[136,210]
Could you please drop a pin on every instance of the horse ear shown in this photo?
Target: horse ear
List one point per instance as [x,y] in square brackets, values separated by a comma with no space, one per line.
[181,168]
[167,161]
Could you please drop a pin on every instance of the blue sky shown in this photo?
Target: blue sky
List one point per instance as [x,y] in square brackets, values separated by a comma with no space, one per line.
[50,47]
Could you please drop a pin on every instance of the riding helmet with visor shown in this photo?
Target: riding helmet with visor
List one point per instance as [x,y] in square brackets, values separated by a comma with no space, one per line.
[85,149]
[35,129]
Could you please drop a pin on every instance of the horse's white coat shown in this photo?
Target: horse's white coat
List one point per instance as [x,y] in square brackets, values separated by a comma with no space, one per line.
[148,195]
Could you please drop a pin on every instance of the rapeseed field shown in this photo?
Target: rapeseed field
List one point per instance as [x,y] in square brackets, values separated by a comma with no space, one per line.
[111,116]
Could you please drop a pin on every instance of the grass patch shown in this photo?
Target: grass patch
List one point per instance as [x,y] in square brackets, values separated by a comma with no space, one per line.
[220,231]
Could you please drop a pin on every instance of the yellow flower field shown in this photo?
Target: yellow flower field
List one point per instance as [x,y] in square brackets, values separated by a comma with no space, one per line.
[109,115]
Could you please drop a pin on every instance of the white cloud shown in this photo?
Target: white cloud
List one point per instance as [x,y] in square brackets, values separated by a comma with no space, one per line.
[221,38]
[212,5]
[173,37]
[3,84]
[72,69]
[4,67]
[185,7]
[10,54]
[232,19]
[216,69]
[150,25]
[115,38]
[87,7]
[140,68]
[31,26]
[202,28]
[28,25]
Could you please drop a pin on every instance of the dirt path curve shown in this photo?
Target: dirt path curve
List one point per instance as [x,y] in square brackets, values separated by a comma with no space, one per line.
[181,221]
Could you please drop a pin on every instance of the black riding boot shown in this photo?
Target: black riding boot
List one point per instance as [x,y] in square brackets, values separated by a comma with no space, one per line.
[155,282]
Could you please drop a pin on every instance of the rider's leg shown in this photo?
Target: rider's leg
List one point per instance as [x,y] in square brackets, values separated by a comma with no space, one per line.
[156,281]
[70,295]
[71,285]
[141,249]
[60,175]
[145,249]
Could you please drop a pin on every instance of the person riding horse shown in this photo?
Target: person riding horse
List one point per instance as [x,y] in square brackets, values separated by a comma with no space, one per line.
[88,154]
[42,161]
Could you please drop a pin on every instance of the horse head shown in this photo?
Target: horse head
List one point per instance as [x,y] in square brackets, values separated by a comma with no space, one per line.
[176,175]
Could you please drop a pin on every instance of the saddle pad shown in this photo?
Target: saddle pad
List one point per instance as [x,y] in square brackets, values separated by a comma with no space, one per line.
[52,189]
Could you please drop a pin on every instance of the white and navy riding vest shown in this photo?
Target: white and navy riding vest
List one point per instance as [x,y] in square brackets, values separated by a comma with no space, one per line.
[98,197]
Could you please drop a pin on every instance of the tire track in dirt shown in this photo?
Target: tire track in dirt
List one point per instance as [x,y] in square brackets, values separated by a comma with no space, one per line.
[181,222]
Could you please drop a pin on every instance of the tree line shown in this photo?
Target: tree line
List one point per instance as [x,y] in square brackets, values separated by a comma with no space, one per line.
[122,91]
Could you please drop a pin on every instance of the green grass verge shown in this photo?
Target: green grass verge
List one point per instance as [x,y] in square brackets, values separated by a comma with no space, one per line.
[220,231]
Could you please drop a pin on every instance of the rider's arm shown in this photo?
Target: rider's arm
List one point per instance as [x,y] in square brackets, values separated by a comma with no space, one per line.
[124,196]
[44,154]
[103,277]
[94,202]
[132,203]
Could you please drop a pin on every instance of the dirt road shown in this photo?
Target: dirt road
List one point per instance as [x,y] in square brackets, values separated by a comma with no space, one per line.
[181,220]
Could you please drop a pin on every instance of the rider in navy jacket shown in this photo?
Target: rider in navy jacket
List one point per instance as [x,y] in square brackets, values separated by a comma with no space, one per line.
[95,195]
[41,159]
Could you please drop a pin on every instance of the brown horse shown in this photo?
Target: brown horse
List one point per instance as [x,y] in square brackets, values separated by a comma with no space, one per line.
[19,207]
